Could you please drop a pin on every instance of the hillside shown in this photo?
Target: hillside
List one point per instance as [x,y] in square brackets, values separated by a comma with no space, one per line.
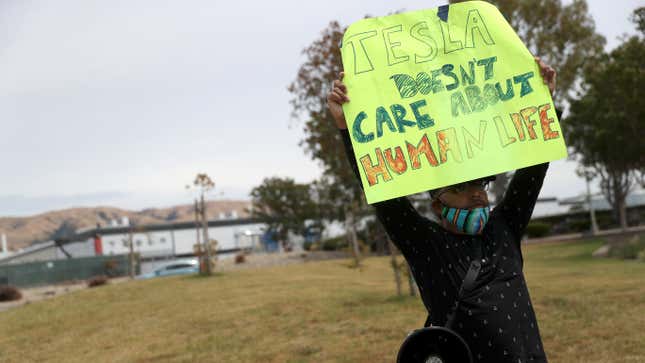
[23,231]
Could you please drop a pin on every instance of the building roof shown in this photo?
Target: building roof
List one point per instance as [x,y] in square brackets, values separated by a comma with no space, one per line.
[28,250]
[84,234]
[599,202]
[87,233]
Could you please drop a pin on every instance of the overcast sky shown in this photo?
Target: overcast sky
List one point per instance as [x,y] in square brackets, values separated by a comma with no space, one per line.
[121,103]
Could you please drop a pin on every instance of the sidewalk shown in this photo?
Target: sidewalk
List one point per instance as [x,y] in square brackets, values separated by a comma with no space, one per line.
[585,235]
[38,293]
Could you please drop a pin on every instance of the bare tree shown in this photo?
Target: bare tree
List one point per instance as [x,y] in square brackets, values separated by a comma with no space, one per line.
[204,184]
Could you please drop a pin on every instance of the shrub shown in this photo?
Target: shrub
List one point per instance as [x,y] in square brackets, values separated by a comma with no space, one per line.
[9,293]
[97,281]
[580,225]
[641,256]
[334,244]
[240,258]
[307,245]
[112,268]
[630,249]
[538,229]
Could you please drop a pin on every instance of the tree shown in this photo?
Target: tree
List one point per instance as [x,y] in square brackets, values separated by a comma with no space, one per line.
[605,127]
[563,36]
[638,18]
[322,140]
[204,184]
[285,206]
[65,230]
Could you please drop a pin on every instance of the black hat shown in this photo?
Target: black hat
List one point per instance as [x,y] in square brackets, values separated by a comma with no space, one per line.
[434,345]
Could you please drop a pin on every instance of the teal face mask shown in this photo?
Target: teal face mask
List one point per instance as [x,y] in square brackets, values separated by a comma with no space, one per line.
[468,221]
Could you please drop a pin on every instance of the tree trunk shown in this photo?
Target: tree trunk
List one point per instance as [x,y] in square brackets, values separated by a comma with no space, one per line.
[395,268]
[206,240]
[412,284]
[351,235]
[622,213]
[620,194]
[616,186]
[131,254]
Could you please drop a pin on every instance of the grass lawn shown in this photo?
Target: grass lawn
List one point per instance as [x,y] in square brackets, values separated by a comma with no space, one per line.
[589,311]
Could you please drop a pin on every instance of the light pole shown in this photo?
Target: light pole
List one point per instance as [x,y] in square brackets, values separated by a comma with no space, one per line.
[588,175]
[592,212]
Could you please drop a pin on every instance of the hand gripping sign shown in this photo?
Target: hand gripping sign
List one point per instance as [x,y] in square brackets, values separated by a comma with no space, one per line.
[443,96]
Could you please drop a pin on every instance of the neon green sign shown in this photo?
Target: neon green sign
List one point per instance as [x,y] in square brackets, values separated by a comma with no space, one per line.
[443,96]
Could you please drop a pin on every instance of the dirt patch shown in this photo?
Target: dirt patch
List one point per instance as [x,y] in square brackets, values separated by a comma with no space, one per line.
[33,294]
[261,260]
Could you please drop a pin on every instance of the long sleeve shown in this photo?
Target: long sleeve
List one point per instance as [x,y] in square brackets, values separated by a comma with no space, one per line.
[521,195]
[399,217]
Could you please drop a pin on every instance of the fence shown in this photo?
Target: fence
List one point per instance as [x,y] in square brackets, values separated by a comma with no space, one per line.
[57,271]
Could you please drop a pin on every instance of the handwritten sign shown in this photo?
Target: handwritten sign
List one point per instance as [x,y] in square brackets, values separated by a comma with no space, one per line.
[443,96]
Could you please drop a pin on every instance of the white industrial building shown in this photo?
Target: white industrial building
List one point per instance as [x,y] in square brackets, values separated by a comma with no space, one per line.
[177,239]
[4,250]
[150,241]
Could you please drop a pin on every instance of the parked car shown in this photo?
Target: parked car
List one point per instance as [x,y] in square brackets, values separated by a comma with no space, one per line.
[177,267]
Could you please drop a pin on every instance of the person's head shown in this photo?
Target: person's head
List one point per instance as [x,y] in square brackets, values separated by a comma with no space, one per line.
[463,208]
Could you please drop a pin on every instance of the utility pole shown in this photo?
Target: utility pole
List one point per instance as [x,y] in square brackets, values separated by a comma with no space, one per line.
[197,223]
[131,256]
[411,282]
[351,230]
[395,266]
[594,224]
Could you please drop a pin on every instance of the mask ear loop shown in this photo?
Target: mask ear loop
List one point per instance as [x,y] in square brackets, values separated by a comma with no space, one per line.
[444,206]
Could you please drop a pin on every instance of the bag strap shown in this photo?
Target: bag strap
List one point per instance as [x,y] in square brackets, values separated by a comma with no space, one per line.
[467,284]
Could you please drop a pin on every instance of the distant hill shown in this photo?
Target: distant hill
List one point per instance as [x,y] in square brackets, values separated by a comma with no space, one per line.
[24,231]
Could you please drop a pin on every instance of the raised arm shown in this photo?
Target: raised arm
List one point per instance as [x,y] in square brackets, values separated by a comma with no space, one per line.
[521,195]
[398,215]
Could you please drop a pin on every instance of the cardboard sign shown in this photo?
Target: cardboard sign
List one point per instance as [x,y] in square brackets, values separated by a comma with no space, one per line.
[443,96]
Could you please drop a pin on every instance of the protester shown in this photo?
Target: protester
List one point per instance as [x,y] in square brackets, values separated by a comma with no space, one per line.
[495,316]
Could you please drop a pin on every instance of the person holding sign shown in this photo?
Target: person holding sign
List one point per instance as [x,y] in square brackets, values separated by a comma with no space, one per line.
[494,315]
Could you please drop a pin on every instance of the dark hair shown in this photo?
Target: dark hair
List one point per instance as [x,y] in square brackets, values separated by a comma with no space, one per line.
[435,192]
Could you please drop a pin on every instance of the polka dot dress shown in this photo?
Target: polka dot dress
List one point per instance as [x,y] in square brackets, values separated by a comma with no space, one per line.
[495,316]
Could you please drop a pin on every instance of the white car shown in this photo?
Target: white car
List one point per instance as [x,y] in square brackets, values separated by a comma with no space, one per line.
[177,267]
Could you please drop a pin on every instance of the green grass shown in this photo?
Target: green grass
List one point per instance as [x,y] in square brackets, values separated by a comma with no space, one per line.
[589,311]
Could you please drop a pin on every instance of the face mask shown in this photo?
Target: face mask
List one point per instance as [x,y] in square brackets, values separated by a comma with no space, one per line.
[468,221]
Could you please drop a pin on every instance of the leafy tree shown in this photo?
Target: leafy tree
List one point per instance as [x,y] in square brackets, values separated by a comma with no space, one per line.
[605,127]
[563,36]
[638,18]
[344,197]
[322,140]
[65,230]
[285,206]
